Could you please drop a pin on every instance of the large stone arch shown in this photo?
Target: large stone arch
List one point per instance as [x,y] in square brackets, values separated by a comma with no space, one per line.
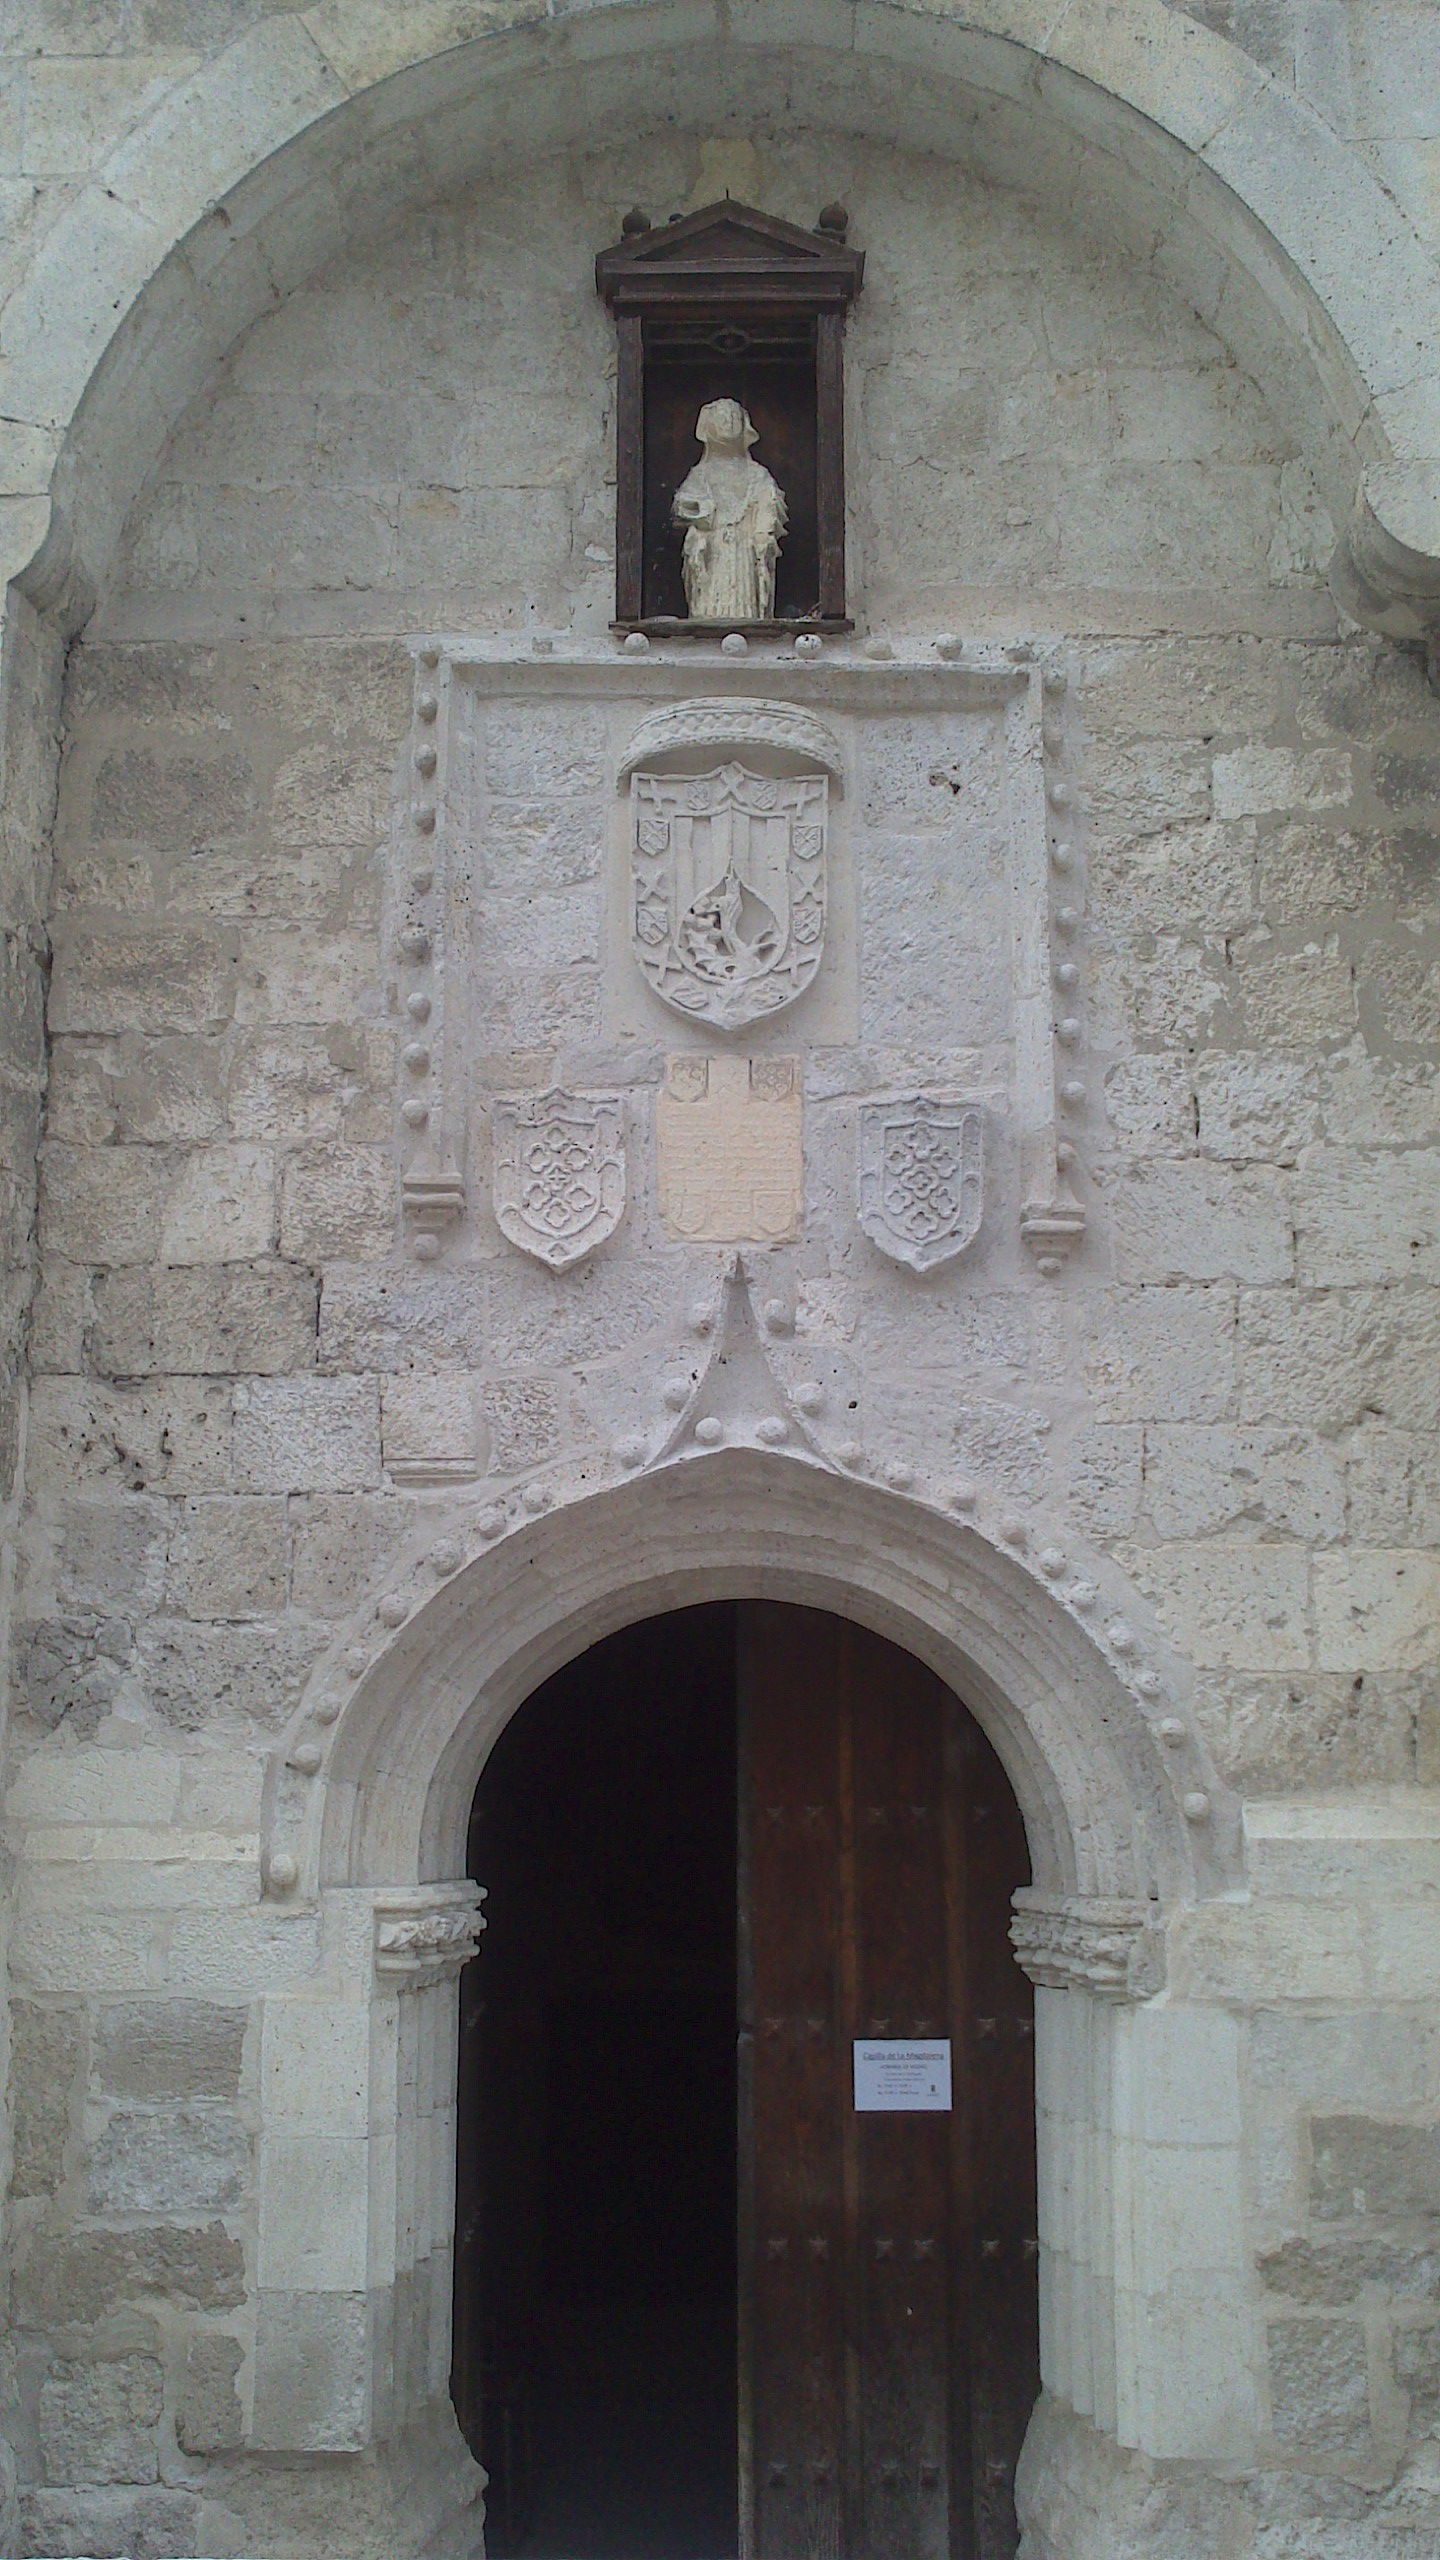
[1123,1834]
[310,130]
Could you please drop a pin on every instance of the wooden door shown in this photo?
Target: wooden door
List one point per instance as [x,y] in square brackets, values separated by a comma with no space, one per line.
[888,2289]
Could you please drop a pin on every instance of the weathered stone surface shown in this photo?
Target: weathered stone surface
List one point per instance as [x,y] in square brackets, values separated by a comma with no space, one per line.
[1331,1359]
[251,1674]
[1271,1732]
[1363,2168]
[1258,1107]
[97,2421]
[156,980]
[72,1668]
[1161,1354]
[82,2276]
[1320,2384]
[113,2524]
[104,1204]
[1338,2271]
[344,1545]
[1376,1611]
[1200,1479]
[209,2418]
[311,2370]
[1150,1104]
[45,2055]
[169,2048]
[1231,1604]
[220,1207]
[169,800]
[303,1088]
[111,1547]
[172,1437]
[310,1435]
[230,1558]
[235,1320]
[192,2157]
[338,1204]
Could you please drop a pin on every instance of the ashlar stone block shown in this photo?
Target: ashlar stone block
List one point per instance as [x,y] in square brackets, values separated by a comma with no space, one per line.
[167,2048]
[47,2045]
[311,2371]
[192,2157]
[344,1545]
[1165,1354]
[1208,1478]
[1150,1105]
[1377,1610]
[161,980]
[1260,1107]
[338,1204]
[209,1320]
[1320,2384]
[221,1207]
[171,1437]
[1228,1604]
[1362,2167]
[113,2524]
[1363,1216]
[1254,779]
[103,1204]
[308,1435]
[250,1675]
[98,2421]
[209,2418]
[1199,1222]
[81,2277]
[230,1557]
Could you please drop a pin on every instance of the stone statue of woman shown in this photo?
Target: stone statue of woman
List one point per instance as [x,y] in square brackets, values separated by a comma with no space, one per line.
[734,518]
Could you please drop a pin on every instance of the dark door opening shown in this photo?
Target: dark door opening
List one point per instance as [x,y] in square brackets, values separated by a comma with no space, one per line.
[595,2360]
[708,2299]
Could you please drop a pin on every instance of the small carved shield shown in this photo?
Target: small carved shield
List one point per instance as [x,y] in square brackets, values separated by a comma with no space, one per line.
[922,1178]
[559,1172]
[728,889]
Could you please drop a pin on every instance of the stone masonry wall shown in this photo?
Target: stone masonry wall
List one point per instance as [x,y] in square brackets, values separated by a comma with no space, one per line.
[1234,1393]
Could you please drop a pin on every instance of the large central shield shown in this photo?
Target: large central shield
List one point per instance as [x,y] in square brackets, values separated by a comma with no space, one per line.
[728,889]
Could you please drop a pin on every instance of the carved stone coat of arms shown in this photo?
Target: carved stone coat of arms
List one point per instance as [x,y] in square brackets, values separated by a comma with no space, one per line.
[559,1172]
[922,1178]
[728,889]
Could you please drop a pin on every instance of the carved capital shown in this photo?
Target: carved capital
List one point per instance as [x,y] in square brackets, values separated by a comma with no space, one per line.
[1053,1229]
[1083,1942]
[423,1934]
[432,1192]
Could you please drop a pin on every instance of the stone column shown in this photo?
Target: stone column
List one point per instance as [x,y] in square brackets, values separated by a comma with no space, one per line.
[356,2175]
[1145,2316]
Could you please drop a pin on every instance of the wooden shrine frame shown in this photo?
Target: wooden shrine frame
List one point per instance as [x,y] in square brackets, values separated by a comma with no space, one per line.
[729,266]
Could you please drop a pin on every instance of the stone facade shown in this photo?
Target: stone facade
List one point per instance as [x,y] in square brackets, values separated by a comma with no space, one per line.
[315,850]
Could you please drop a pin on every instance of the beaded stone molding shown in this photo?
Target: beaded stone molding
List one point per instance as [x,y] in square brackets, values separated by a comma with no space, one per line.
[680,712]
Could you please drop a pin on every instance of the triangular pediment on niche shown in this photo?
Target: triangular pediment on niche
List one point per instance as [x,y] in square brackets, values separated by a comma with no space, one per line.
[729,238]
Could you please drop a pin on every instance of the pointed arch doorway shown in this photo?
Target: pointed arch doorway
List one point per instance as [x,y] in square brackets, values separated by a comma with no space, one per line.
[745,2255]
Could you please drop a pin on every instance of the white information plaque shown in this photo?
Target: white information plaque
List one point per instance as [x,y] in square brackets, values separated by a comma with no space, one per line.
[894,2076]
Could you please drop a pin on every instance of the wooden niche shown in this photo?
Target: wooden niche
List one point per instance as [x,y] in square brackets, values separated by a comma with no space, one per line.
[731,304]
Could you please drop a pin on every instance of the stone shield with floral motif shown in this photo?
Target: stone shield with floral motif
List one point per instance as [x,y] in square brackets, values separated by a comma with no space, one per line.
[559,1172]
[921,1178]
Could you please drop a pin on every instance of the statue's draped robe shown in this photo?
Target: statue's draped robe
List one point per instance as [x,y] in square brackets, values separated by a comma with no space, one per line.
[728,562]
